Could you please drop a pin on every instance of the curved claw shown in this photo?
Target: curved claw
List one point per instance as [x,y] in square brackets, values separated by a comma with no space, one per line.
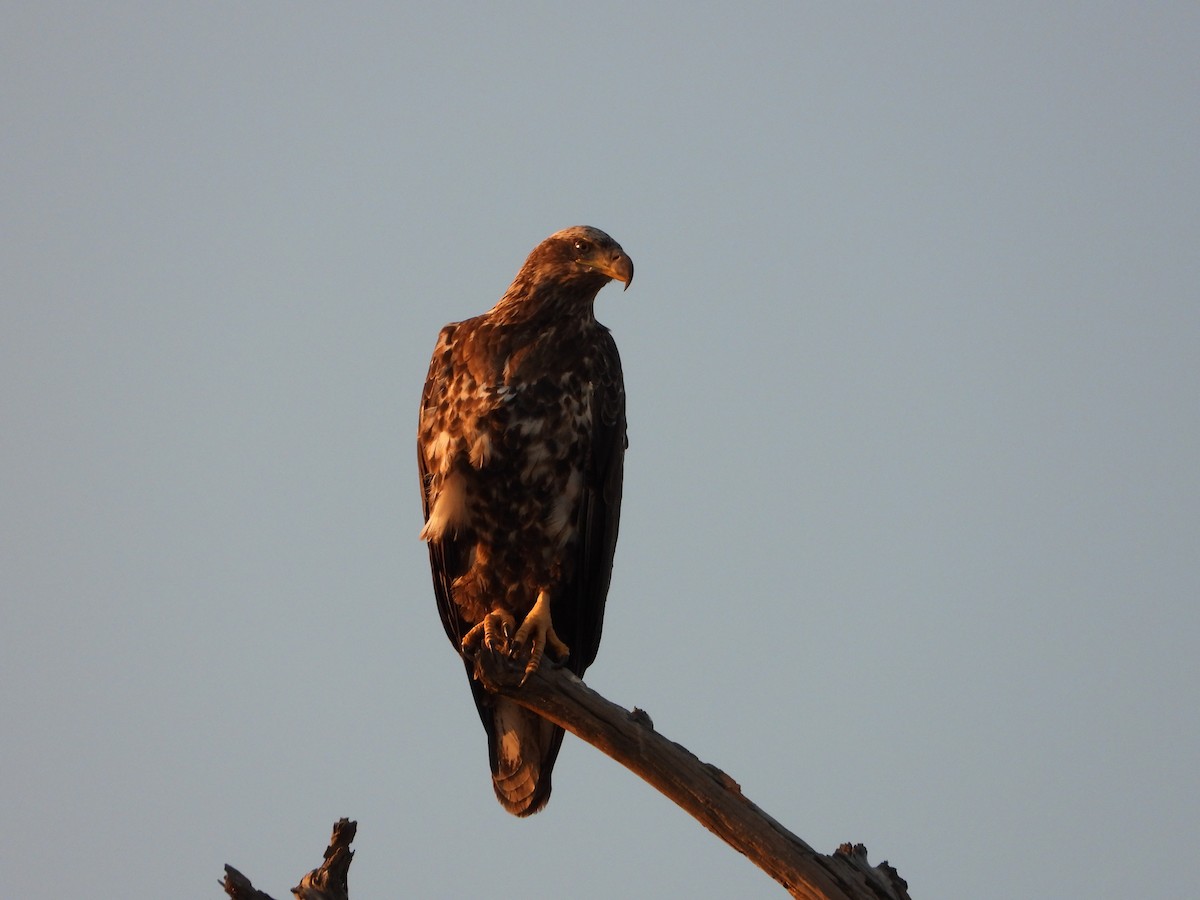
[493,632]
[538,631]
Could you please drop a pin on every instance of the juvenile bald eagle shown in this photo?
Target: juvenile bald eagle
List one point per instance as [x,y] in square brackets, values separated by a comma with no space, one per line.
[520,446]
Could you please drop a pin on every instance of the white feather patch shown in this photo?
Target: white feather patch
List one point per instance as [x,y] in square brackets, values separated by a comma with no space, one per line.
[437,452]
[509,727]
[560,521]
[449,513]
[481,450]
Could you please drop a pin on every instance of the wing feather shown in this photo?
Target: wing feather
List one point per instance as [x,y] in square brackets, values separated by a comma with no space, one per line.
[580,614]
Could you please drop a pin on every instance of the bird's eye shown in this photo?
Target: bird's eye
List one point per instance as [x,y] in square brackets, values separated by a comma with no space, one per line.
[582,246]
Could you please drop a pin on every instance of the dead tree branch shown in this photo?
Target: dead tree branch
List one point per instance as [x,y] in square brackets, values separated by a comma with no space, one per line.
[712,797]
[326,882]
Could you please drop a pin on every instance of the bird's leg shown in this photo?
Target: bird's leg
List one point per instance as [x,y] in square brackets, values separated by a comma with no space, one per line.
[493,632]
[538,631]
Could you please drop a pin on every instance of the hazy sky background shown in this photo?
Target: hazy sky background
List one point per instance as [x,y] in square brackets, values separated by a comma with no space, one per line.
[912,512]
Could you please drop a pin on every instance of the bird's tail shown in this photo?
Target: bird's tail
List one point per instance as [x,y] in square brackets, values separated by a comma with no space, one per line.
[523,747]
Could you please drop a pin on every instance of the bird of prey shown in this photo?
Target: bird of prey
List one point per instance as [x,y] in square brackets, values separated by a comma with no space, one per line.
[521,445]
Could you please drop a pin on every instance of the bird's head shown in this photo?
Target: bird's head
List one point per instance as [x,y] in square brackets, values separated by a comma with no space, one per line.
[582,256]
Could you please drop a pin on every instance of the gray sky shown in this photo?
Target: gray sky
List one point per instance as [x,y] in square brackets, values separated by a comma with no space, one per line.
[912,511]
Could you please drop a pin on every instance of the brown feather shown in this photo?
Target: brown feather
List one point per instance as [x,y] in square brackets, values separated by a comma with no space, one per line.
[520,449]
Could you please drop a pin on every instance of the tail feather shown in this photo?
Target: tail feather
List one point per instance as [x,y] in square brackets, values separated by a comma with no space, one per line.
[523,746]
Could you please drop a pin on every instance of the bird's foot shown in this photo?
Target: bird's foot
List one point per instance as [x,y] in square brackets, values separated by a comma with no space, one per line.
[494,632]
[537,633]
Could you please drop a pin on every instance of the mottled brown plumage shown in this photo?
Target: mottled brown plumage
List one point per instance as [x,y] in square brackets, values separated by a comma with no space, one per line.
[520,446]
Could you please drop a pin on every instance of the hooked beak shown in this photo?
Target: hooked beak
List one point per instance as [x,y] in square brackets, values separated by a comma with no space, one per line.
[617,265]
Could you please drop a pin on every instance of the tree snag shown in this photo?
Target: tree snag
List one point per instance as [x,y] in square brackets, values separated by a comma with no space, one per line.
[711,796]
[326,882]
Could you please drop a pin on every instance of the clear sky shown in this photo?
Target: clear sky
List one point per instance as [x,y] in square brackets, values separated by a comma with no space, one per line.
[912,512]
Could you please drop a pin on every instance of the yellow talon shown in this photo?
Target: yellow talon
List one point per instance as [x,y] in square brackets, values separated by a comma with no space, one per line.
[538,631]
[493,632]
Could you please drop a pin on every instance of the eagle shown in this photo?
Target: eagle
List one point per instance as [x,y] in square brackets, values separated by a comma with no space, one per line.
[520,446]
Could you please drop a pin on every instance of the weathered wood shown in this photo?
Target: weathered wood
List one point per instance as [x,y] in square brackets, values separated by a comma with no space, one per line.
[710,795]
[326,882]
[238,886]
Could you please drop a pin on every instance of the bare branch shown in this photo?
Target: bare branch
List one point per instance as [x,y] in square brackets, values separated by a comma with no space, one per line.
[238,886]
[326,882]
[711,796]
